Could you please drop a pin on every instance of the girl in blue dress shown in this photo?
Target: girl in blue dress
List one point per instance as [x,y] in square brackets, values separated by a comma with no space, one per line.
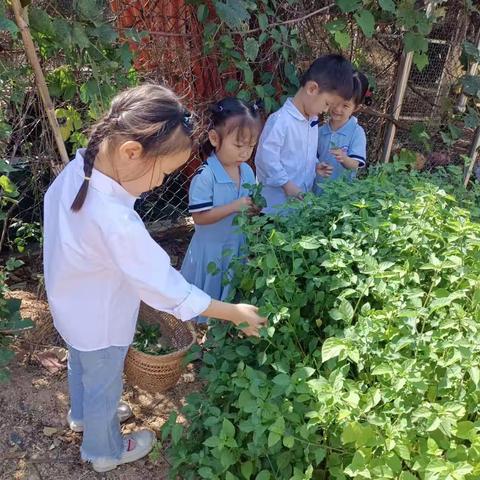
[217,194]
[342,143]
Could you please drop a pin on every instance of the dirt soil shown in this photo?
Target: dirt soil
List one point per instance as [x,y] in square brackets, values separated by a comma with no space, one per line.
[35,443]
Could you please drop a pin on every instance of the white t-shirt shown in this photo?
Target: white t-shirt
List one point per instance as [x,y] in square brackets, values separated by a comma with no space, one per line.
[101,261]
[287,151]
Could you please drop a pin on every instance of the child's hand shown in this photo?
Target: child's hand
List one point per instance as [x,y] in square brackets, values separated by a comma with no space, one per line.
[324,169]
[254,209]
[248,314]
[292,190]
[340,155]
[243,203]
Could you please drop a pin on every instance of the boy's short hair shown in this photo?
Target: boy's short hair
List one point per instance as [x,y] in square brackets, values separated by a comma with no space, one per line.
[332,73]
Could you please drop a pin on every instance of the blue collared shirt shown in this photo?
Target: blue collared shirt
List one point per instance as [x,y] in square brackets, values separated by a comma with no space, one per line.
[287,151]
[212,186]
[351,137]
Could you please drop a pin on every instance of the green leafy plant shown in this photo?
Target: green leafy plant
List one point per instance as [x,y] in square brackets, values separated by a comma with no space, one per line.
[255,193]
[148,339]
[11,323]
[369,366]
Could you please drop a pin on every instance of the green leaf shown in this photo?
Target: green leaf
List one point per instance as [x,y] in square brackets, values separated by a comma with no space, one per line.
[79,36]
[212,268]
[278,426]
[273,439]
[227,458]
[63,32]
[288,441]
[105,33]
[415,42]
[202,13]
[263,475]
[231,85]
[262,21]
[8,25]
[4,375]
[346,311]
[342,38]
[40,21]
[248,76]
[291,73]
[243,351]
[331,348]
[387,5]
[244,95]
[351,433]
[177,432]
[206,472]
[212,442]
[232,12]
[407,476]
[366,22]
[7,185]
[251,48]
[6,356]
[227,428]
[311,243]
[472,51]
[246,469]
[471,119]
[282,380]
[90,10]
[420,59]
[348,6]
[466,430]
[471,85]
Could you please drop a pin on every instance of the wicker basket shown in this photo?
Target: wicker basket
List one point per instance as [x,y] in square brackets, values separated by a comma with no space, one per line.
[157,373]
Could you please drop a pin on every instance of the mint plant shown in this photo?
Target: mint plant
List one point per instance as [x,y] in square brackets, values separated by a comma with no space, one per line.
[369,366]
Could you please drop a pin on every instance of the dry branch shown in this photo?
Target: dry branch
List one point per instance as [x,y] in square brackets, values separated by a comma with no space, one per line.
[21,19]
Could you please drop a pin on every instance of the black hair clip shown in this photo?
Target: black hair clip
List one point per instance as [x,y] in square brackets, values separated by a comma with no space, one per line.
[187,120]
[256,106]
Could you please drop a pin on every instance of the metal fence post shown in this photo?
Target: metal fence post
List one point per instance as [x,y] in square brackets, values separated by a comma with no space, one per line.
[404,73]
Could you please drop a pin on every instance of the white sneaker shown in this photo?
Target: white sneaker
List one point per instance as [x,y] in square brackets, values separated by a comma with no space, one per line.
[124,412]
[136,446]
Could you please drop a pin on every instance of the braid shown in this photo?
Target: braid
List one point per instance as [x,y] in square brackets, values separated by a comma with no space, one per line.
[99,133]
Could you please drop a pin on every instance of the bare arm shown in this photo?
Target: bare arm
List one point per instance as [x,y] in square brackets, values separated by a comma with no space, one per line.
[236,314]
[216,214]
[291,190]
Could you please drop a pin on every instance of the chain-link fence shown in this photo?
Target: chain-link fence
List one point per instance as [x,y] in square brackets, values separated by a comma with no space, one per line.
[171,51]
[428,95]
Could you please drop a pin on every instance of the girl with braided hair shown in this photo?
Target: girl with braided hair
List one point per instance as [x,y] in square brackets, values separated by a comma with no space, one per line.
[218,193]
[100,262]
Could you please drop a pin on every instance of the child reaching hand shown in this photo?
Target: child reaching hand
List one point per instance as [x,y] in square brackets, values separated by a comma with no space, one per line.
[287,151]
[341,141]
[217,194]
[100,262]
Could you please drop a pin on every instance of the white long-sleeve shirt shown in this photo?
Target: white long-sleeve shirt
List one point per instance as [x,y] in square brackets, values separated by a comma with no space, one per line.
[287,151]
[101,261]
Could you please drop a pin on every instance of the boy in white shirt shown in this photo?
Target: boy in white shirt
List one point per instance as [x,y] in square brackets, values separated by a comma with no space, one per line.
[287,151]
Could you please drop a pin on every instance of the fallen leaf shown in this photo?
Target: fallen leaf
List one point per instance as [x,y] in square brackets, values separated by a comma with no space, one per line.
[49,431]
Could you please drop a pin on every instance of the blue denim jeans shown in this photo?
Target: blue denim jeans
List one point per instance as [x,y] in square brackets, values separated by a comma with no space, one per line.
[95,384]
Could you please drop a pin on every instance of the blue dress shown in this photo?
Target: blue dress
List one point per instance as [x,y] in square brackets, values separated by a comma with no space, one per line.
[218,242]
[351,138]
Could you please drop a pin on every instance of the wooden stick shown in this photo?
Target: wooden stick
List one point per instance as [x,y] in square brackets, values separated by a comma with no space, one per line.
[20,18]
[473,156]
